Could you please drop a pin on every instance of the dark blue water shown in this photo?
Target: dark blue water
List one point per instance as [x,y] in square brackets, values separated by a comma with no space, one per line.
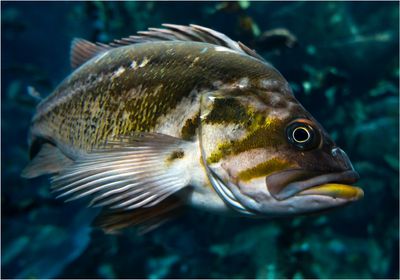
[344,68]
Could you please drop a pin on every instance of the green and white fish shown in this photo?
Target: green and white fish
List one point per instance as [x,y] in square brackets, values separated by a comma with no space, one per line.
[183,116]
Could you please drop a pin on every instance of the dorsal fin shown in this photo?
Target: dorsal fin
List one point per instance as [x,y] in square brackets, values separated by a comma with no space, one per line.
[83,50]
[196,33]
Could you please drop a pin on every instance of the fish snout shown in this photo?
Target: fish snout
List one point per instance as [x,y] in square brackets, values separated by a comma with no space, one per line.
[295,182]
[341,157]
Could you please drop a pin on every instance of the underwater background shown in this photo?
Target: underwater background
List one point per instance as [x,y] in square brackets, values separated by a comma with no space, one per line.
[342,60]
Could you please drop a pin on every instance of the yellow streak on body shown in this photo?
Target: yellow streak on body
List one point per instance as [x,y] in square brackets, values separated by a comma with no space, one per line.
[264,169]
[262,133]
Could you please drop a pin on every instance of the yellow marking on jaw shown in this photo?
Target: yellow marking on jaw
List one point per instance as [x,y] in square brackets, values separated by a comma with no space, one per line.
[263,169]
[335,191]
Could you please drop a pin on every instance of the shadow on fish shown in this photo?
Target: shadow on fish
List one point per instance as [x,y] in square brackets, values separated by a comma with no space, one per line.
[183,116]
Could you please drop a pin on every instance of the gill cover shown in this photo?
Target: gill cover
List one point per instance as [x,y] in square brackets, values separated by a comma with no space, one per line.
[220,123]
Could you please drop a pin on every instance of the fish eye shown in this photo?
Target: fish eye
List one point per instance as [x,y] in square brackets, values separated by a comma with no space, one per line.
[301,134]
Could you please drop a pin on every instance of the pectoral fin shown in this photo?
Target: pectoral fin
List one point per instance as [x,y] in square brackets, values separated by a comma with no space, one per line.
[128,173]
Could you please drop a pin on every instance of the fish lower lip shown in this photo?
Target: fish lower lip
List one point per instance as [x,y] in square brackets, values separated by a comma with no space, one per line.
[335,190]
[296,187]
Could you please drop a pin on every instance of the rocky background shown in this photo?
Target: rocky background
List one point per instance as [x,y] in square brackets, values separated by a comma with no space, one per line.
[342,59]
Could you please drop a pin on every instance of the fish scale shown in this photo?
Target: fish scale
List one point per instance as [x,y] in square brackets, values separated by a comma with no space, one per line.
[143,117]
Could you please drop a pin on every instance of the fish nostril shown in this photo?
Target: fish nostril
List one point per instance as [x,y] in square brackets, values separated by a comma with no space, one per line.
[342,157]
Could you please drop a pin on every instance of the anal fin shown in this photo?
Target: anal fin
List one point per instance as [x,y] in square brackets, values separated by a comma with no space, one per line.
[48,160]
[145,219]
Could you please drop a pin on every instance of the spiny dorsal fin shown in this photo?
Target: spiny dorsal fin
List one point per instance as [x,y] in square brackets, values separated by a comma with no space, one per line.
[82,50]
[193,32]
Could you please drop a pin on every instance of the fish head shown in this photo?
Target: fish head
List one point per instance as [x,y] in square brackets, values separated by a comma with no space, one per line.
[266,155]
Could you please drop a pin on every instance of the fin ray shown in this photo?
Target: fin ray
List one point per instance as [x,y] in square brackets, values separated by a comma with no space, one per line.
[146,219]
[83,50]
[120,177]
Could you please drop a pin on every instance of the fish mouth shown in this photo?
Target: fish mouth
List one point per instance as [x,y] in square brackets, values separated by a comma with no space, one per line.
[297,182]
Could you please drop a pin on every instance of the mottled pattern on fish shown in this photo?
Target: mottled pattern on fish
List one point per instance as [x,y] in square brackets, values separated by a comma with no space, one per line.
[144,88]
[262,123]
[183,115]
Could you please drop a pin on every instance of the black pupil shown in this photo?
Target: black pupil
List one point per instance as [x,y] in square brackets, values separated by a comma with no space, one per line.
[300,135]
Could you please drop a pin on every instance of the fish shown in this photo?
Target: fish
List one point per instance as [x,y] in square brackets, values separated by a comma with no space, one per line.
[278,38]
[183,116]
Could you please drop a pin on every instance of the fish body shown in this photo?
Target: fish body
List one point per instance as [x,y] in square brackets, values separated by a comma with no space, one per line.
[135,88]
[184,115]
